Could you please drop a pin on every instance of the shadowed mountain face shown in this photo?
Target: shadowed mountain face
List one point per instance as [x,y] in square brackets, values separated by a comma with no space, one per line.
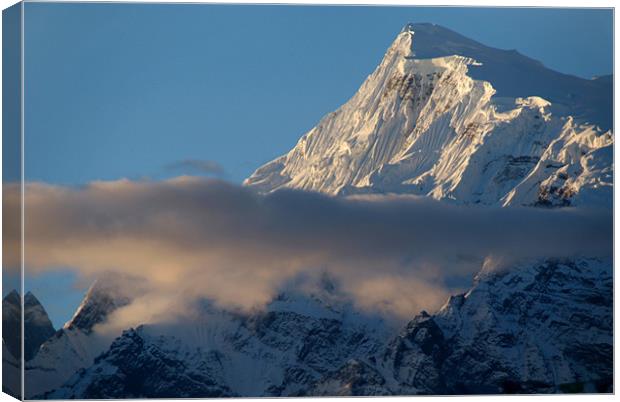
[37,326]
[515,75]
[11,345]
[37,329]
[11,323]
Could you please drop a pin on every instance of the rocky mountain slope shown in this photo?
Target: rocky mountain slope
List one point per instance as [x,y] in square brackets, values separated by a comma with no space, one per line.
[74,346]
[428,126]
[535,327]
[538,327]
[280,351]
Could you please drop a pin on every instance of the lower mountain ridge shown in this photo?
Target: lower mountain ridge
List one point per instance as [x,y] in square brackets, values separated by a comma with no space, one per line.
[534,327]
[539,327]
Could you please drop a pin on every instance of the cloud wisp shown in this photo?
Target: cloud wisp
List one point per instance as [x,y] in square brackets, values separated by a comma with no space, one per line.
[197,166]
[190,238]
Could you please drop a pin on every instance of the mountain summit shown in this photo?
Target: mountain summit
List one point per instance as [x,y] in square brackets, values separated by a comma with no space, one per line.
[447,117]
[515,75]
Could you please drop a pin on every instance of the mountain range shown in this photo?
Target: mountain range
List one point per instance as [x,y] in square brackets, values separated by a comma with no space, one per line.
[442,116]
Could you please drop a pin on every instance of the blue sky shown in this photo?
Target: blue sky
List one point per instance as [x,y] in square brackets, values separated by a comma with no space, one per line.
[122,90]
[117,90]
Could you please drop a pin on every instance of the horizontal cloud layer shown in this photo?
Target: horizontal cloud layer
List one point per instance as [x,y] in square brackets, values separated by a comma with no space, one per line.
[190,238]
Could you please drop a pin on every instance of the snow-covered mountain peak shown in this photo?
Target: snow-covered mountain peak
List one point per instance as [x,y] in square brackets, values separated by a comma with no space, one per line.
[403,44]
[106,294]
[409,27]
[422,124]
[401,58]
[76,345]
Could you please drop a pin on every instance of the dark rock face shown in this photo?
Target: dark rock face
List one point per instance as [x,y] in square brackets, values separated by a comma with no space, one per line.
[416,356]
[37,326]
[98,304]
[318,345]
[543,327]
[355,378]
[37,329]
[135,368]
[317,338]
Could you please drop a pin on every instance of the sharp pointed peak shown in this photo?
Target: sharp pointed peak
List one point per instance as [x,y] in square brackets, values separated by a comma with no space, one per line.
[417,26]
[12,296]
[409,27]
[13,292]
[31,299]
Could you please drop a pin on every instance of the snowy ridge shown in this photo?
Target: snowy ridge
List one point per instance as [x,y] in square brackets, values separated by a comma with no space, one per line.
[279,351]
[535,327]
[76,345]
[538,327]
[424,126]
[11,373]
[104,296]
[514,75]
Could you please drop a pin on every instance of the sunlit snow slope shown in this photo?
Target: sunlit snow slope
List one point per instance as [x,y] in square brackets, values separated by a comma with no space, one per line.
[425,126]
